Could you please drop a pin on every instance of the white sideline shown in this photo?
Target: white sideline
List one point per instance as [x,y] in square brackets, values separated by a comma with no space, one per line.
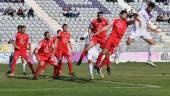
[48,89]
[131,86]
[142,85]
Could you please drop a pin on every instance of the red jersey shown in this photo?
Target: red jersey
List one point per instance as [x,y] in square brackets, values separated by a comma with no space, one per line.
[22,40]
[54,38]
[119,28]
[97,25]
[56,47]
[45,47]
[64,38]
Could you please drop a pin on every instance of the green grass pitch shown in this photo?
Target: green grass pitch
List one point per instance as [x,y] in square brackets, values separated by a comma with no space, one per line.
[127,79]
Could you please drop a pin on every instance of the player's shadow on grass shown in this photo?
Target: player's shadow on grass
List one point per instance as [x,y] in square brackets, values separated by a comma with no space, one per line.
[28,77]
[50,78]
[19,77]
[75,79]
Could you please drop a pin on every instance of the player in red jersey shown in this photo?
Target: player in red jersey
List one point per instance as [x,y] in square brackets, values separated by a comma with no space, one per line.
[119,26]
[100,38]
[19,29]
[58,69]
[56,55]
[20,44]
[44,53]
[62,48]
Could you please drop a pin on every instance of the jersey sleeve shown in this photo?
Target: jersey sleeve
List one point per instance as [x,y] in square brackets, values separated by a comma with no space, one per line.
[113,22]
[107,23]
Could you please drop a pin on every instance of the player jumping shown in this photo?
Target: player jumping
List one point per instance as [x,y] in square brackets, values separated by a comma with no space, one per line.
[142,29]
[119,27]
[100,38]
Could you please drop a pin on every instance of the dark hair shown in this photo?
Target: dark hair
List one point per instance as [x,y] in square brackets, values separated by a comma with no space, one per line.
[46,33]
[99,13]
[123,11]
[19,26]
[64,25]
[135,15]
[151,4]
[58,31]
[23,26]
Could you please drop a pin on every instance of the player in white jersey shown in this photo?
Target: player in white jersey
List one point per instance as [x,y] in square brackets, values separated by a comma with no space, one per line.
[142,28]
[91,55]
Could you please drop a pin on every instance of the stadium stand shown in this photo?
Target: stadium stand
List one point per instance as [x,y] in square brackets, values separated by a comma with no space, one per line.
[87,9]
[8,24]
[78,25]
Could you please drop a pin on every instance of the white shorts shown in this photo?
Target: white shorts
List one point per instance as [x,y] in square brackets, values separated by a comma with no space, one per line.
[92,54]
[140,33]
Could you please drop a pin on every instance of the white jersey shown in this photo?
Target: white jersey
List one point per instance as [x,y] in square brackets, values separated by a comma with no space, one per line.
[94,51]
[141,31]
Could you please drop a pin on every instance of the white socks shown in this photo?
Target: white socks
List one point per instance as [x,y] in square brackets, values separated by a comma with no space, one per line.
[150,52]
[91,69]
[117,55]
[24,66]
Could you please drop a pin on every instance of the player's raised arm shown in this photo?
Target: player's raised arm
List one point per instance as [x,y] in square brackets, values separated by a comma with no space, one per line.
[137,19]
[103,29]
[150,28]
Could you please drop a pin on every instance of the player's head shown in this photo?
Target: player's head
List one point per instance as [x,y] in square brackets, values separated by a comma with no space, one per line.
[58,31]
[47,35]
[150,7]
[19,28]
[65,27]
[135,15]
[99,16]
[23,29]
[123,14]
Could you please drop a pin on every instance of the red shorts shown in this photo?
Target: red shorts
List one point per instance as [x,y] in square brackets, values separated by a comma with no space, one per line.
[47,59]
[100,40]
[64,53]
[112,43]
[24,54]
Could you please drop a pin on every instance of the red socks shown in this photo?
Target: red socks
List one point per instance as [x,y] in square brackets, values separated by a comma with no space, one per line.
[99,59]
[103,63]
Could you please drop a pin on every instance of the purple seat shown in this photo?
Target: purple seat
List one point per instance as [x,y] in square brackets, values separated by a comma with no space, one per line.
[95,4]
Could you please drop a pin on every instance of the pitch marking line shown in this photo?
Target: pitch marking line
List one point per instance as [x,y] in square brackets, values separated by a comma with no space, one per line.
[133,84]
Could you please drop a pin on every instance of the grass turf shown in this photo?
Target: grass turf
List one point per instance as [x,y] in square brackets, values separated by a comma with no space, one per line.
[127,79]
